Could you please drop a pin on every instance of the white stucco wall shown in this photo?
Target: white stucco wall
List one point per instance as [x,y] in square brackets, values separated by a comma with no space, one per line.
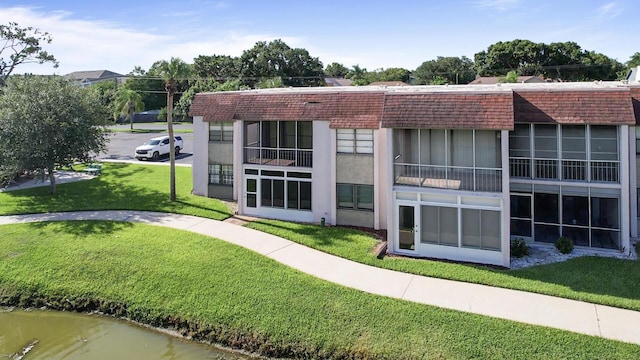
[200,156]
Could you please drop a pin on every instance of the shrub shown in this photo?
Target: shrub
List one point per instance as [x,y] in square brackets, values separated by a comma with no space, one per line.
[564,245]
[519,248]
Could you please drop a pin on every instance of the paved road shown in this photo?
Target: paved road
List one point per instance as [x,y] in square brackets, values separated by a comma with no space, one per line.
[122,144]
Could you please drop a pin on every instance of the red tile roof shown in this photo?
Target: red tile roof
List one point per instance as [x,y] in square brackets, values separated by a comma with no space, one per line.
[449,110]
[217,107]
[343,110]
[599,107]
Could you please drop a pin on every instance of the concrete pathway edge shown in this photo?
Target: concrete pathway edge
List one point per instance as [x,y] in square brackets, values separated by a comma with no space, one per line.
[571,315]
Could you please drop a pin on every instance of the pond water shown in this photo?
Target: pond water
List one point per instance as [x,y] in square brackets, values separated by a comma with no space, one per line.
[63,335]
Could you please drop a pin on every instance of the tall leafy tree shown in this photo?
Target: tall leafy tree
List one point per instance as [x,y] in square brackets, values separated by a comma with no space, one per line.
[634,61]
[358,75]
[126,103]
[47,122]
[171,72]
[276,59]
[149,85]
[562,61]
[445,70]
[21,45]
[217,67]
[336,70]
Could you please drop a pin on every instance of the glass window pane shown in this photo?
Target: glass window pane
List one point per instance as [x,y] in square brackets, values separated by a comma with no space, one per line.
[606,239]
[521,206]
[430,225]
[488,149]
[252,134]
[575,210]
[365,197]
[305,135]
[490,229]
[546,142]
[292,195]
[251,185]
[265,191]
[227,131]
[448,226]
[345,196]
[278,193]
[305,195]
[519,141]
[604,143]
[521,227]
[574,144]
[579,235]
[288,134]
[461,147]
[546,208]
[604,213]
[251,200]
[471,228]
[546,233]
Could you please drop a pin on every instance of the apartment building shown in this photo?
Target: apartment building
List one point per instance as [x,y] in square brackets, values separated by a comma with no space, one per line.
[451,172]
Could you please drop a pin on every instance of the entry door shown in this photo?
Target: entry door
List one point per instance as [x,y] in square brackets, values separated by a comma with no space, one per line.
[251,192]
[407,229]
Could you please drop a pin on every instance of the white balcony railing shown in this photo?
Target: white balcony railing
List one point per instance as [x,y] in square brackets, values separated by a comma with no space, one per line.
[278,157]
[448,177]
[569,170]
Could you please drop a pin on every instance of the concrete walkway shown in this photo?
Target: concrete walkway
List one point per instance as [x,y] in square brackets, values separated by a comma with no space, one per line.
[571,315]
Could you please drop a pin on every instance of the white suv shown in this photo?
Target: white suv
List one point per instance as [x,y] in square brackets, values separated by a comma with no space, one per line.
[156,147]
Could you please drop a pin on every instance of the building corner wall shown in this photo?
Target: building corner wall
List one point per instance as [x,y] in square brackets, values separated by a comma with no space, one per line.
[199,169]
[505,230]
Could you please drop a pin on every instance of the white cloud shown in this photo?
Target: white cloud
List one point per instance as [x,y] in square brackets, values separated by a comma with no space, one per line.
[80,44]
[498,5]
[609,10]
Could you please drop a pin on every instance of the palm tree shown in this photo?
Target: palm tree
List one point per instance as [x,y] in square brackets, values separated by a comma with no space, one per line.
[126,103]
[170,72]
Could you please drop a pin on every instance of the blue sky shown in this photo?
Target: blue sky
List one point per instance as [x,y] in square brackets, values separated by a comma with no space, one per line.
[118,35]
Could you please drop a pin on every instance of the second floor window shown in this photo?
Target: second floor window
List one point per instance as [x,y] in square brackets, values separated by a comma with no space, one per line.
[221,132]
[355,141]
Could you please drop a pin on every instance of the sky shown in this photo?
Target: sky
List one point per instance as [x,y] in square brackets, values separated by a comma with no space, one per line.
[119,35]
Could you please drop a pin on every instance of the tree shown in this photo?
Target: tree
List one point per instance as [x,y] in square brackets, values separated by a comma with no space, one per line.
[276,59]
[562,61]
[150,86]
[47,122]
[217,67]
[391,74]
[511,77]
[171,71]
[634,61]
[126,103]
[453,70]
[336,70]
[358,75]
[21,46]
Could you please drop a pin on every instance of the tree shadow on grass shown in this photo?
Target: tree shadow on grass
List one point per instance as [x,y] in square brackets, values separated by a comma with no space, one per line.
[323,236]
[82,227]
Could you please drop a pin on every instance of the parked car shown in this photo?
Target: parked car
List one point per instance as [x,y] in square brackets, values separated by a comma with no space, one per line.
[156,147]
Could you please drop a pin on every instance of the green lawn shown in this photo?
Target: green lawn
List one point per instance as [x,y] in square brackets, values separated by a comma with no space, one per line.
[119,187]
[238,296]
[599,280]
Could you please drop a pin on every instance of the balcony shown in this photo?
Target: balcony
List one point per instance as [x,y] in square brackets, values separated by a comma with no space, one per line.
[448,177]
[278,157]
[570,170]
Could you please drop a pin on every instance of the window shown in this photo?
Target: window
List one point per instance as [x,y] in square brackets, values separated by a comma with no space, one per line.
[279,143]
[296,194]
[358,141]
[221,132]
[352,196]
[439,225]
[220,174]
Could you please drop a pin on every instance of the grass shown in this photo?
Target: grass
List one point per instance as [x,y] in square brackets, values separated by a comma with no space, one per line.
[237,294]
[119,187]
[598,280]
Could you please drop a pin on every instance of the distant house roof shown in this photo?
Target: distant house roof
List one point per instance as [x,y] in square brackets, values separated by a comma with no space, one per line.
[388,83]
[490,80]
[338,81]
[93,75]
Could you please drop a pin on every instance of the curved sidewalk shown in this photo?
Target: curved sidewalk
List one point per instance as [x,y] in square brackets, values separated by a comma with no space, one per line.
[531,308]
